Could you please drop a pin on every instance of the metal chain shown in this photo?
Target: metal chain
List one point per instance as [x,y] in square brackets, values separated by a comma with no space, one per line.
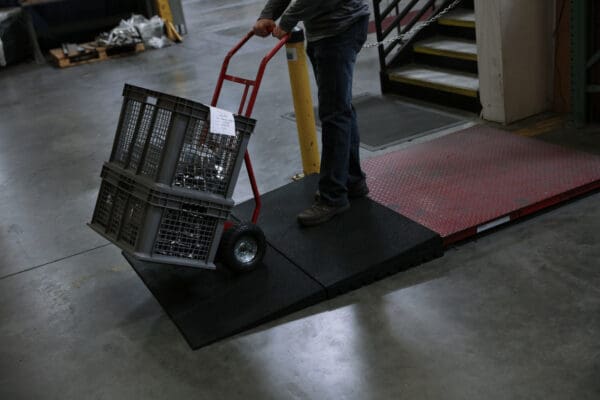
[405,37]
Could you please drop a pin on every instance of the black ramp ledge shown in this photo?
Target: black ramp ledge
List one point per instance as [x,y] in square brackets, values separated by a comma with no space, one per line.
[302,266]
[209,305]
[355,248]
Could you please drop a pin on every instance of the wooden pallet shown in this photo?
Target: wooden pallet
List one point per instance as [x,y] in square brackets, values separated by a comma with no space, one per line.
[92,53]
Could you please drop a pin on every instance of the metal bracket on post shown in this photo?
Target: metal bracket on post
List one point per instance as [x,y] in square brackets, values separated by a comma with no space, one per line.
[303,105]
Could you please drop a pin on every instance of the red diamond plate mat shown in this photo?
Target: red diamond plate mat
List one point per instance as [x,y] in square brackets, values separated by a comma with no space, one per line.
[467,182]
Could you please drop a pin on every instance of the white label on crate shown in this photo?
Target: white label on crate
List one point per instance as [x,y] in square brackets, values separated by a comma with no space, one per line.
[221,122]
[151,100]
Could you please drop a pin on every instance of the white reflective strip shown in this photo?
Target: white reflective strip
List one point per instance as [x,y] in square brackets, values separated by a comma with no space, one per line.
[493,224]
[2,58]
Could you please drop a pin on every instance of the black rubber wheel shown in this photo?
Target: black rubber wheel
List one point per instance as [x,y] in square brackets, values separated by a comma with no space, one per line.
[242,247]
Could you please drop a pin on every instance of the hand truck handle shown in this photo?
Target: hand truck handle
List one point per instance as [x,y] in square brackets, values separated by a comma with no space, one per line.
[247,82]
[255,86]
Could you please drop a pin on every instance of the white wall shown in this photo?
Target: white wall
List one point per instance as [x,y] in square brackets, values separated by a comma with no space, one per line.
[515,45]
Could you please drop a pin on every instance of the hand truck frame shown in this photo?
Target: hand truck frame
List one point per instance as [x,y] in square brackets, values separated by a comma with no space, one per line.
[243,245]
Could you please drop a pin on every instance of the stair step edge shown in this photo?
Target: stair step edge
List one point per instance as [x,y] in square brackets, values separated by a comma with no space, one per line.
[440,80]
[447,47]
[461,18]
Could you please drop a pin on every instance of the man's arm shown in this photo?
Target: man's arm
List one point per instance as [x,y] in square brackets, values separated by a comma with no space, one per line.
[301,10]
[274,9]
[266,21]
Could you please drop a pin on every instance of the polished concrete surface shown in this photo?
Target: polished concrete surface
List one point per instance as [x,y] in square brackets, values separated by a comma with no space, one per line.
[512,315]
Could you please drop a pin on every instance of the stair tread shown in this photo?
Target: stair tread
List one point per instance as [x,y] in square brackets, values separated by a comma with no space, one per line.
[438,76]
[461,15]
[447,44]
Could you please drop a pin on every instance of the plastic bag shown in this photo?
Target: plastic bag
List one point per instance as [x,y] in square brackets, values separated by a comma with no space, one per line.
[159,42]
[150,28]
[134,30]
[124,34]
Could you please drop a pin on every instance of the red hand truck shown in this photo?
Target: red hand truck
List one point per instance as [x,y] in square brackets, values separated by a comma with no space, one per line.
[243,245]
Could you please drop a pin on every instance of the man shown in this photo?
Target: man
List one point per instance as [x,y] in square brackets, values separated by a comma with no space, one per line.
[336,31]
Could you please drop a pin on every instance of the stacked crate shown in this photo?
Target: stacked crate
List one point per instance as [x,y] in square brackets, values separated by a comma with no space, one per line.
[167,190]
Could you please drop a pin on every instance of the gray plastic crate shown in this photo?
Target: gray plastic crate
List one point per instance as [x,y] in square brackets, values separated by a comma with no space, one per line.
[167,140]
[159,224]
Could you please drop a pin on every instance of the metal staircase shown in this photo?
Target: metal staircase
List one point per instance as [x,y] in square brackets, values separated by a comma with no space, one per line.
[439,63]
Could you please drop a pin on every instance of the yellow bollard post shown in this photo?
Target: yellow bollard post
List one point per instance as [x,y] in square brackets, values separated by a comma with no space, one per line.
[303,106]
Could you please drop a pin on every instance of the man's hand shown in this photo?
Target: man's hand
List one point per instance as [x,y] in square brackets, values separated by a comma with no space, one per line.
[278,32]
[263,27]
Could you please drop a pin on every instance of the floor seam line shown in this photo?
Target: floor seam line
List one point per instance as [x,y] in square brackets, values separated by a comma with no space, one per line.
[299,267]
[53,261]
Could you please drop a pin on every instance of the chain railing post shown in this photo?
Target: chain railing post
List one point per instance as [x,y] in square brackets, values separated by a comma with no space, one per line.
[579,30]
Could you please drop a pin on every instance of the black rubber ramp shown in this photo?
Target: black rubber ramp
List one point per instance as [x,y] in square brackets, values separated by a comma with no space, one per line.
[302,266]
[209,305]
[360,246]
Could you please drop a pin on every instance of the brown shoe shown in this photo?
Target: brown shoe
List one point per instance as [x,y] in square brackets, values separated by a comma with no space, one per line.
[320,212]
[357,190]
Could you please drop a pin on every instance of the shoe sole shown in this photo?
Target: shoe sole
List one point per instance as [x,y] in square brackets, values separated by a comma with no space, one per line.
[324,219]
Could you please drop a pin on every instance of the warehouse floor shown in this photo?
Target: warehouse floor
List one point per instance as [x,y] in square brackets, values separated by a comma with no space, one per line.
[514,314]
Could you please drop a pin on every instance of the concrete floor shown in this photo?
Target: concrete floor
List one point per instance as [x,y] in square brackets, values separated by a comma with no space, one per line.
[514,314]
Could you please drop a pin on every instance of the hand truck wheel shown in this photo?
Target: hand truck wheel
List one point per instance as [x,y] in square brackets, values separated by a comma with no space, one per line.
[242,247]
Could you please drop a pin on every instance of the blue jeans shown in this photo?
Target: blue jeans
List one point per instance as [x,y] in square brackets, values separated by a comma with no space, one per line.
[333,60]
